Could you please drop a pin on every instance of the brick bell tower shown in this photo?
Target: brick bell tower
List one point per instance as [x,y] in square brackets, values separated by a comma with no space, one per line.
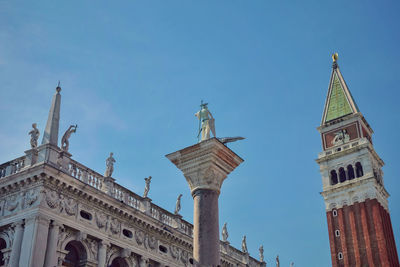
[359,225]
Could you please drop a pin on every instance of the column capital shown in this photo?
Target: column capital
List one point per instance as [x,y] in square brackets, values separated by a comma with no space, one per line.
[205,165]
[41,219]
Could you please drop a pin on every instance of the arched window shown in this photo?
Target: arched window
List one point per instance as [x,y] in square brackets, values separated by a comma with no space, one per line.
[334,179]
[342,175]
[76,254]
[119,262]
[3,245]
[350,172]
[359,170]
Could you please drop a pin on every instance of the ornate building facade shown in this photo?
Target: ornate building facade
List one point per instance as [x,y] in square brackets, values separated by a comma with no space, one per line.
[54,211]
[359,225]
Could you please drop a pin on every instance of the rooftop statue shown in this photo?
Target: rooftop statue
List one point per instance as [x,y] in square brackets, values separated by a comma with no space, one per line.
[178,204]
[206,122]
[34,133]
[277,261]
[109,165]
[292,264]
[244,245]
[225,233]
[261,249]
[147,186]
[66,136]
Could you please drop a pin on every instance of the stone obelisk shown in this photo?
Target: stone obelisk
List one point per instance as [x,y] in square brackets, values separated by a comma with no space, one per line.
[205,166]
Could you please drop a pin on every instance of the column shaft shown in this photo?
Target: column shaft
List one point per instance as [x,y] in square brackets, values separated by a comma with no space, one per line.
[206,228]
[34,242]
[102,254]
[16,247]
[51,251]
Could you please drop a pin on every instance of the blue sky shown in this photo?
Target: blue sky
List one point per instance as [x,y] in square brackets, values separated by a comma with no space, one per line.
[133,74]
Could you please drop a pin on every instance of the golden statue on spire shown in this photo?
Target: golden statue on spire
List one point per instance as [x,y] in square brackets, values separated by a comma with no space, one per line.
[335,57]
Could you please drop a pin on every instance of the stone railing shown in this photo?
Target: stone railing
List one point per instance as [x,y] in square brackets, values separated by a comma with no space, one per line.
[85,174]
[12,167]
[126,196]
[162,215]
[232,252]
[343,147]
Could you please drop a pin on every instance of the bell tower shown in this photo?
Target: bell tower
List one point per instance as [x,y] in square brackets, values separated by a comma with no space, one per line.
[359,225]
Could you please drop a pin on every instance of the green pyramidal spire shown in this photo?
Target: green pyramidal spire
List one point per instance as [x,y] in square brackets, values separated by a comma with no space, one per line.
[339,101]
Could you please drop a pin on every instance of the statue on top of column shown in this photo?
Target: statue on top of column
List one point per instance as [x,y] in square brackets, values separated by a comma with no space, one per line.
[277,261]
[34,133]
[244,245]
[206,122]
[225,233]
[147,186]
[66,136]
[178,204]
[110,165]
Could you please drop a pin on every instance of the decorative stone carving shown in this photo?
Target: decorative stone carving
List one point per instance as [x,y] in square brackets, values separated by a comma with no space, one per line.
[178,204]
[244,245]
[110,165]
[152,242]
[225,233]
[261,249]
[34,133]
[101,220]
[139,236]
[184,256]
[143,262]
[93,246]
[12,202]
[174,252]
[115,226]
[63,235]
[147,186]
[66,136]
[52,199]
[111,250]
[69,205]
[30,198]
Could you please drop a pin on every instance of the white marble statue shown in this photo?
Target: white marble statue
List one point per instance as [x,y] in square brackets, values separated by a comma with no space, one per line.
[34,133]
[225,233]
[66,136]
[147,186]
[277,261]
[244,245]
[178,204]
[261,249]
[207,122]
[109,165]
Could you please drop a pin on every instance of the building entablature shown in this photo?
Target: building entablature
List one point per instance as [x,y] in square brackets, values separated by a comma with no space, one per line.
[103,210]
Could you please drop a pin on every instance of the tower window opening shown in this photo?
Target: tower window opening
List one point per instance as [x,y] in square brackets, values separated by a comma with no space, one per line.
[359,170]
[337,233]
[334,179]
[340,256]
[350,172]
[342,175]
[334,213]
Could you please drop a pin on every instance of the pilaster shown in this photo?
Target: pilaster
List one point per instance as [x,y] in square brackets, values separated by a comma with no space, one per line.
[34,241]
[16,247]
[51,251]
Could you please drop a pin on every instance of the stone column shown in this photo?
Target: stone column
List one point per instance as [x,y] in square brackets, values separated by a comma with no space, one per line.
[34,241]
[51,251]
[16,247]
[102,254]
[205,166]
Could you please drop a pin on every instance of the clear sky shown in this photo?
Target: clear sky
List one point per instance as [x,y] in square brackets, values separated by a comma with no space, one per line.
[133,74]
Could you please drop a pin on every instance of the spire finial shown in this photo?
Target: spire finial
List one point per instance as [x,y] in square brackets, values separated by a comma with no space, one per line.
[58,89]
[335,57]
